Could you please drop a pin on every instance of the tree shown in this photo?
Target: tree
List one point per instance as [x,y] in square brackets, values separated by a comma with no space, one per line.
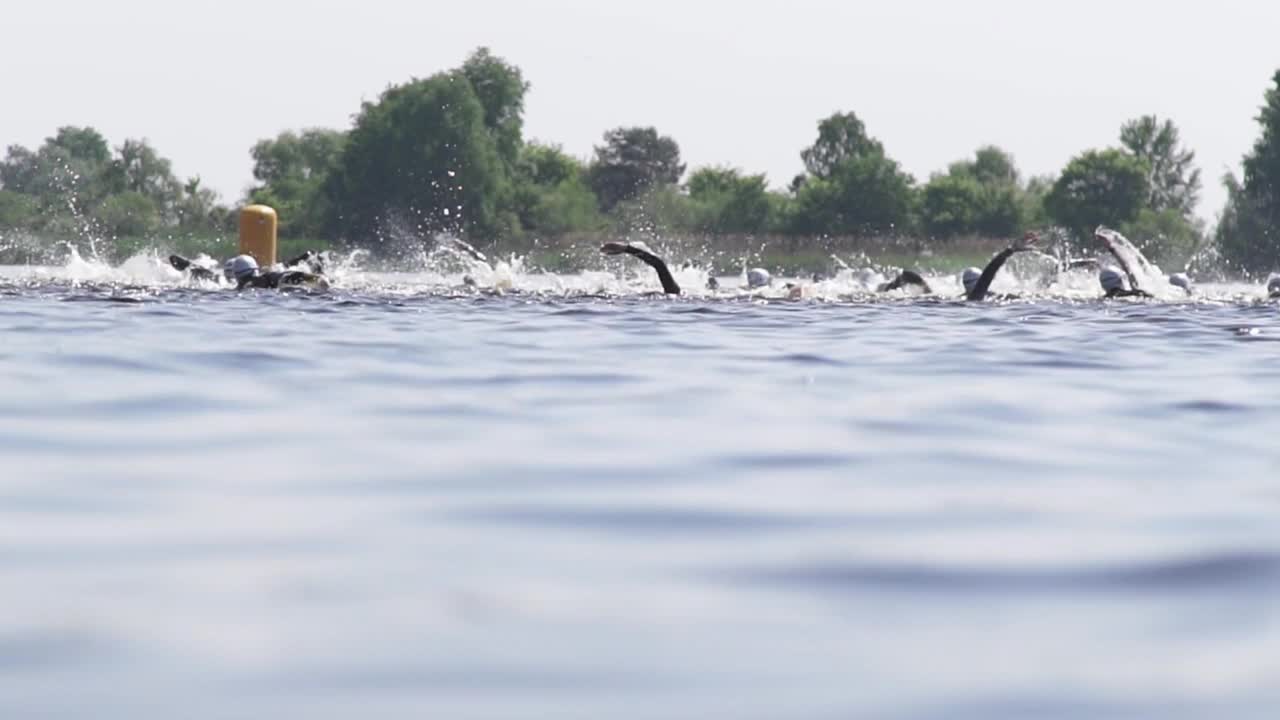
[840,137]
[1166,237]
[17,210]
[631,161]
[1249,233]
[990,166]
[1173,181]
[130,214]
[981,196]
[420,155]
[65,174]
[1242,237]
[500,87]
[950,204]
[731,202]
[198,207]
[551,197]
[139,169]
[291,170]
[1099,187]
[863,194]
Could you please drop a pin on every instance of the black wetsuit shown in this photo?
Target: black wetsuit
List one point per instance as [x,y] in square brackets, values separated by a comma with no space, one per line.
[272,280]
[1126,292]
[196,272]
[669,284]
[305,268]
[980,288]
[905,278]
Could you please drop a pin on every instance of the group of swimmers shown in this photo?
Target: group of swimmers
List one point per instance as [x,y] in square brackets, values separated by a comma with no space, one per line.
[1119,281]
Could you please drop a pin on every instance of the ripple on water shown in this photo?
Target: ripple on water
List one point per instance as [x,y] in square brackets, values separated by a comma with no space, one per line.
[1224,572]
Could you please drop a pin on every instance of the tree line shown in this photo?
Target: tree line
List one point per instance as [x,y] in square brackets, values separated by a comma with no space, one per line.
[447,153]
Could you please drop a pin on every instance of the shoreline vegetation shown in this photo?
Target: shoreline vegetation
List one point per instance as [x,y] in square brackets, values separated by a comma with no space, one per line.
[446,154]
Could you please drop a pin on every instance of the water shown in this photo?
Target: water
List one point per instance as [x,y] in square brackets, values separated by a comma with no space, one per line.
[404,499]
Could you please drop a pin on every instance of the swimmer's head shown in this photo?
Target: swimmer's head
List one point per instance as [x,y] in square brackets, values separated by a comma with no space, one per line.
[758,278]
[1273,285]
[1111,279]
[1181,280]
[970,278]
[240,267]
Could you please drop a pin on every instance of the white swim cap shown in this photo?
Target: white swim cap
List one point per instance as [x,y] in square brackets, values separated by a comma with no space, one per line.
[241,266]
[758,277]
[1180,280]
[1273,284]
[970,278]
[1111,279]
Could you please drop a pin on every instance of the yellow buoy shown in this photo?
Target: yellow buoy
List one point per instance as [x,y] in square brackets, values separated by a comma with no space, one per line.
[258,233]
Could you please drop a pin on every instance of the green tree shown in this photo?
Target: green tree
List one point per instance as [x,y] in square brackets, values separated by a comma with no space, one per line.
[851,187]
[551,196]
[500,87]
[291,170]
[65,174]
[982,196]
[1173,180]
[198,207]
[731,202]
[631,161]
[1242,237]
[18,211]
[130,214]
[1098,187]
[865,194]
[1166,237]
[950,204]
[421,154]
[840,137]
[989,166]
[138,168]
[1249,232]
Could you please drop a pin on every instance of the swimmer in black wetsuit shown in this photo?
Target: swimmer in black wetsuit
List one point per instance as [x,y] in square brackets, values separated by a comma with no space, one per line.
[1113,283]
[642,251]
[977,282]
[1273,287]
[310,262]
[1113,280]
[906,278]
[246,273]
[196,272]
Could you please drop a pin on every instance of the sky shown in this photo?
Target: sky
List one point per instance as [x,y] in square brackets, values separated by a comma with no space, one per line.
[735,83]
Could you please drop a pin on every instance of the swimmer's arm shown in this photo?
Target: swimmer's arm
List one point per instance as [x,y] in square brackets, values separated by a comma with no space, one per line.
[669,284]
[1119,256]
[989,273]
[1028,243]
[907,277]
[304,257]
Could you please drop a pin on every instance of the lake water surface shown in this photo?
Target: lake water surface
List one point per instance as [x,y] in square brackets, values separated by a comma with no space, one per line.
[399,499]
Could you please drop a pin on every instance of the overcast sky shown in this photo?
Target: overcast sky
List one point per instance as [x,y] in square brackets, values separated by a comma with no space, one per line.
[734,83]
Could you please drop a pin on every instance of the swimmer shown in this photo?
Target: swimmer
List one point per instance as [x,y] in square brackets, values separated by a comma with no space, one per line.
[310,261]
[244,270]
[978,282]
[906,278]
[1273,287]
[1113,283]
[195,271]
[1183,281]
[645,255]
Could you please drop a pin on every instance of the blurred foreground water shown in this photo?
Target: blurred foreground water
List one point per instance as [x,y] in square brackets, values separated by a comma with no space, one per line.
[405,499]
